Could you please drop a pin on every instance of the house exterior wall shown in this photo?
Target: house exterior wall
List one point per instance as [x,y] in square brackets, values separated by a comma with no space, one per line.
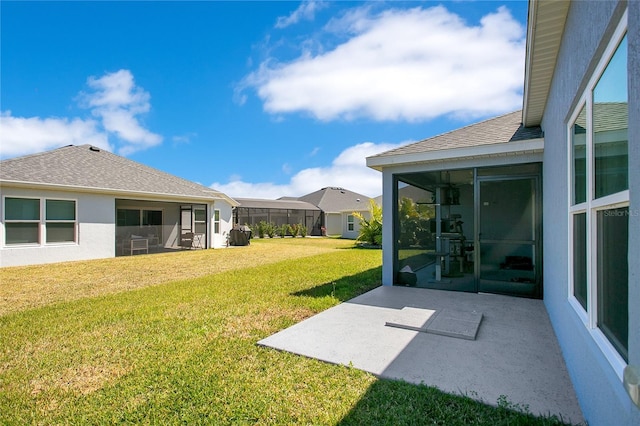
[598,386]
[96,230]
[356,224]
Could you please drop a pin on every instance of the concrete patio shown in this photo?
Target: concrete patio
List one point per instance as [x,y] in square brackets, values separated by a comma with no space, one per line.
[515,353]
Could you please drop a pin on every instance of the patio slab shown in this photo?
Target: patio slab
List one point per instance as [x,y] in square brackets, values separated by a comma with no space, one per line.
[515,353]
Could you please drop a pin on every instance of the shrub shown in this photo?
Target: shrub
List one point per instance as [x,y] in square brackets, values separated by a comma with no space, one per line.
[282,230]
[260,228]
[371,229]
[302,230]
[293,230]
[270,230]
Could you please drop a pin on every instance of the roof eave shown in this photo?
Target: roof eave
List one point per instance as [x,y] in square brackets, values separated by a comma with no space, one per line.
[484,151]
[545,25]
[116,192]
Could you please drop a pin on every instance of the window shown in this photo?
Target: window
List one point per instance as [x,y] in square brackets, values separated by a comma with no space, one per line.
[22,220]
[128,217]
[200,220]
[350,223]
[137,217]
[599,203]
[216,221]
[152,217]
[580,258]
[60,221]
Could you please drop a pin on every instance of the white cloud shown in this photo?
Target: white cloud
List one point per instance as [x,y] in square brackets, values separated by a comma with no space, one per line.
[348,170]
[408,65]
[118,102]
[183,139]
[307,11]
[22,136]
[115,103]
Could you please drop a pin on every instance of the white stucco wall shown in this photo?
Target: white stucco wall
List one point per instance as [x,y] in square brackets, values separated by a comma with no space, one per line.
[356,224]
[96,230]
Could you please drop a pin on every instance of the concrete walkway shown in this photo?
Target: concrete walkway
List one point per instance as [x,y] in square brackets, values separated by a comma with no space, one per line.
[515,353]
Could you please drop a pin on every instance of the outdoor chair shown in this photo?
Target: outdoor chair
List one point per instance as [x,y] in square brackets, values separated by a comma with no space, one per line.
[138,245]
[186,241]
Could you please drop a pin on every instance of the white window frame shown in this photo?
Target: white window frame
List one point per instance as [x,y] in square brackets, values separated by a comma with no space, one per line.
[42,222]
[216,221]
[43,215]
[591,207]
[38,221]
[351,224]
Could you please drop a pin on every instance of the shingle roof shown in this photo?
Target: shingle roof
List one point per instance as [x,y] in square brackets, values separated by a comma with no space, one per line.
[258,203]
[89,168]
[333,200]
[503,129]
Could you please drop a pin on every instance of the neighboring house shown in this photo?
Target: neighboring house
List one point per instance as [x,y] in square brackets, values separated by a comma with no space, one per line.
[81,202]
[330,208]
[543,202]
[338,206]
[252,211]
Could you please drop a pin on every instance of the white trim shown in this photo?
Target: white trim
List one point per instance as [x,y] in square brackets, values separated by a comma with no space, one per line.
[41,222]
[215,222]
[614,41]
[591,207]
[577,307]
[475,152]
[610,353]
[151,196]
[76,233]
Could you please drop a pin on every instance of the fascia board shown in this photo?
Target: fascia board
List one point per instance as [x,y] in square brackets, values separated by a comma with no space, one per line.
[501,149]
[533,6]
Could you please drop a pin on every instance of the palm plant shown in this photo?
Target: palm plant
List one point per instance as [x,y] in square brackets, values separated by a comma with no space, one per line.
[371,228]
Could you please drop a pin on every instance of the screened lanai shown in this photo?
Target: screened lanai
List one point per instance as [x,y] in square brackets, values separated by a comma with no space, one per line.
[152,226]
[473,229]
[465,210]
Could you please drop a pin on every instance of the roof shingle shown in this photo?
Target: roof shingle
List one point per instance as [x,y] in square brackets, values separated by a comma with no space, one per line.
[88,167]
[503,129]
[334,200]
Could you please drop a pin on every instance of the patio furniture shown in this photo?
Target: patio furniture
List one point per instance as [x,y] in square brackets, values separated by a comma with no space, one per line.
[198,241]
[186,241]
[137,245]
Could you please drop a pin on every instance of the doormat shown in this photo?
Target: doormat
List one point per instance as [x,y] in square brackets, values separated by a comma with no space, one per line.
[445,322]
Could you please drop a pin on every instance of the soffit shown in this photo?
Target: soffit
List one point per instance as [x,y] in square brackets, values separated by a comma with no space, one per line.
[544,34]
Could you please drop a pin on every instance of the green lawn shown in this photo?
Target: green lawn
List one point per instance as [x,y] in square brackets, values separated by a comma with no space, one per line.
[171,339]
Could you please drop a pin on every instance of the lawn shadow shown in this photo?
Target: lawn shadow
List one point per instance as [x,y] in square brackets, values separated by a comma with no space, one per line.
[397,402]
[346,288]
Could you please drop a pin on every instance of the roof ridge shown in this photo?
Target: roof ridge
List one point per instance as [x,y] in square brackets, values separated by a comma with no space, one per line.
[39,154]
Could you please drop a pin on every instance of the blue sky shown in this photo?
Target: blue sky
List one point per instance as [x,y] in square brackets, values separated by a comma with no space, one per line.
[256,99]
